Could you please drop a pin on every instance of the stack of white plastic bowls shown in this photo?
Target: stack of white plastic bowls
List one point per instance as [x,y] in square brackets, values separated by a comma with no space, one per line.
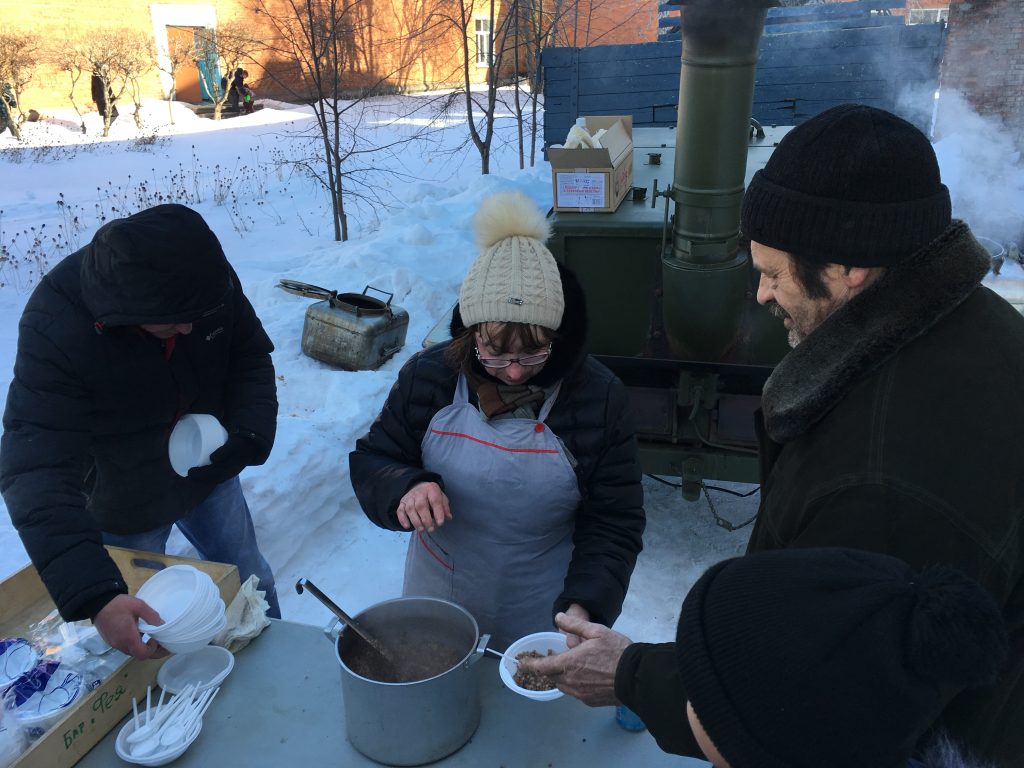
[189,603]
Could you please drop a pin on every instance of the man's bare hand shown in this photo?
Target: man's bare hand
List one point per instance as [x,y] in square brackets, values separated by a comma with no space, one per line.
[588,670]
[576,611]
[117,623]
[424,507]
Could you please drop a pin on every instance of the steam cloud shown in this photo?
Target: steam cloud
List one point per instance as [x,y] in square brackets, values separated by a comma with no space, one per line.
[982,168]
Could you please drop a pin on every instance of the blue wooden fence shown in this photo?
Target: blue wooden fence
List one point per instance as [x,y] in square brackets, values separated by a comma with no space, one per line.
[811,58]
[805,18]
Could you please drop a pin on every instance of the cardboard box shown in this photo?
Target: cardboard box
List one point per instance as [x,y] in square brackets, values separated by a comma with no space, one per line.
[25,601]
[594,180]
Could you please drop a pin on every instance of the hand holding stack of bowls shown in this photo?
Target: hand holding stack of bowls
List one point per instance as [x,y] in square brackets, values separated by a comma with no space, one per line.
[190,605]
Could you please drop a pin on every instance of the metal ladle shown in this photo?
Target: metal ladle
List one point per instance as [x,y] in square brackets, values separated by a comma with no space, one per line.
[370,640]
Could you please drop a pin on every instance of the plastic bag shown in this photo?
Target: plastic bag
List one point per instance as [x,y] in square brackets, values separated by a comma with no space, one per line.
[79,645]
[13,740]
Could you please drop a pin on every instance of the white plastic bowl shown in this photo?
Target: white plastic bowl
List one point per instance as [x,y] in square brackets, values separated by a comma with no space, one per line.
[189,646]
[541,642]
[174,593]
[189,609]
[205,668]
[194,438]
[196,622]
[207,629]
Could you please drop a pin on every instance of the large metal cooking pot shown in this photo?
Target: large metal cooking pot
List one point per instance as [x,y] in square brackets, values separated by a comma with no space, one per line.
[437,715]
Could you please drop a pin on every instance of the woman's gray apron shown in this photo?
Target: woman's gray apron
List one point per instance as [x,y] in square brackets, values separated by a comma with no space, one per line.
[513,497]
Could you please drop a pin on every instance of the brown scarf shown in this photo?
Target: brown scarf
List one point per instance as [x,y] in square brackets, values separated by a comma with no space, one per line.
[496,398]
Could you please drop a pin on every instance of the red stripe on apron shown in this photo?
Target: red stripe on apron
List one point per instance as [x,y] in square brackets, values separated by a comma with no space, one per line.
[493,445]
[431,552]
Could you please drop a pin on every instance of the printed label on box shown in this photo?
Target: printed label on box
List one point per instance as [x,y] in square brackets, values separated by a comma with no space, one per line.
[622,176]
[580,190]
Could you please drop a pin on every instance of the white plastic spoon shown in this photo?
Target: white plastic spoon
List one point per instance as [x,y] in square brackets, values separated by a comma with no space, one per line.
[151,727]
[152,737]
[145,747]
[175,731]
[159,703]
[172,735]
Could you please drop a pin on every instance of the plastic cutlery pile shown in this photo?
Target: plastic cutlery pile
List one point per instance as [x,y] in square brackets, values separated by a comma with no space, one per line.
[165,729]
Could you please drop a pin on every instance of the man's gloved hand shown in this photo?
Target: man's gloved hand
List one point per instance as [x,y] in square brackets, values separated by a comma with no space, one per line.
[231,458]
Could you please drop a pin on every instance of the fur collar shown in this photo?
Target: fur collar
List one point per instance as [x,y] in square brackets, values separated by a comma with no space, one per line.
[862,334]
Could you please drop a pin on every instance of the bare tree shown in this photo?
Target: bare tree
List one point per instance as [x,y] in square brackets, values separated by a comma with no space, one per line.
[490,55]
[19,55]
[327,44]
[137,55]
[179,54]
[232,44]
[549,23]
[102,50]
[68,59]
[508,46]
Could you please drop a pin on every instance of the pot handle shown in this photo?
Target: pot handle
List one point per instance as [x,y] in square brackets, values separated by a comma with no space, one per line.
[479,651]
[333,630]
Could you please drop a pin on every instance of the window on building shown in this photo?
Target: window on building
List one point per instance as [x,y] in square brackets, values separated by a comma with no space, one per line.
[483,42]
[927,15]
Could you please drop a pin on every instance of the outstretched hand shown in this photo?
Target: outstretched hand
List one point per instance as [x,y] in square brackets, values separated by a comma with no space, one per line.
[118,624]
[424,507]
[575,611]
[588,670]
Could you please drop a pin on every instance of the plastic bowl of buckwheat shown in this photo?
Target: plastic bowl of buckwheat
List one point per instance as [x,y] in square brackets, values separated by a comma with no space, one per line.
[536,687]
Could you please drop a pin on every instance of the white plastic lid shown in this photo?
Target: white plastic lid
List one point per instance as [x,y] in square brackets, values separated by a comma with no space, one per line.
[204,668]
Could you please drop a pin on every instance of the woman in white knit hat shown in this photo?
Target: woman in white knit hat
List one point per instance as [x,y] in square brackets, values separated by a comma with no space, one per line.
[507,451]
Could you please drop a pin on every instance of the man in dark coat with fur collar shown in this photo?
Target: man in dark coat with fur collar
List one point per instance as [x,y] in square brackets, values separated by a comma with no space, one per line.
[120,339]
[895,424]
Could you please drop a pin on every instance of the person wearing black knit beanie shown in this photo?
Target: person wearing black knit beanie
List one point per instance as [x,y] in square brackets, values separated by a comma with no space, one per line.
[829,657]
[894,423]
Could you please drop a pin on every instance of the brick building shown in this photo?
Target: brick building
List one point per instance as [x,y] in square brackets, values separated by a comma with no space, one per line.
[399,44]
[984,59]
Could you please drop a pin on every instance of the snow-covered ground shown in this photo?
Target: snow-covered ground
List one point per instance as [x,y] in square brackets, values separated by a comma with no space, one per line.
[411,238]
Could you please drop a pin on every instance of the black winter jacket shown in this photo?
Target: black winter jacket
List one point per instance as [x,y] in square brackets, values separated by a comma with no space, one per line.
[590,418]
[898,427]
[93,399]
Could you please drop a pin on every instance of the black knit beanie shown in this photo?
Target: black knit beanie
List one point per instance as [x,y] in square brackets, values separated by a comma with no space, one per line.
[853,185]
[807,658]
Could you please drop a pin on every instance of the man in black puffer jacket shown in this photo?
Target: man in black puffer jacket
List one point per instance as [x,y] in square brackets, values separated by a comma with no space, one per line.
[118,341]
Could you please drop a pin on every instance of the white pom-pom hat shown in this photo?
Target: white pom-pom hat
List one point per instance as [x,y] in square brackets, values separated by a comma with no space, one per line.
[515,278]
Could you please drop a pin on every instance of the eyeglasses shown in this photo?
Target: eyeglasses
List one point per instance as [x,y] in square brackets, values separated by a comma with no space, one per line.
[504,362]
